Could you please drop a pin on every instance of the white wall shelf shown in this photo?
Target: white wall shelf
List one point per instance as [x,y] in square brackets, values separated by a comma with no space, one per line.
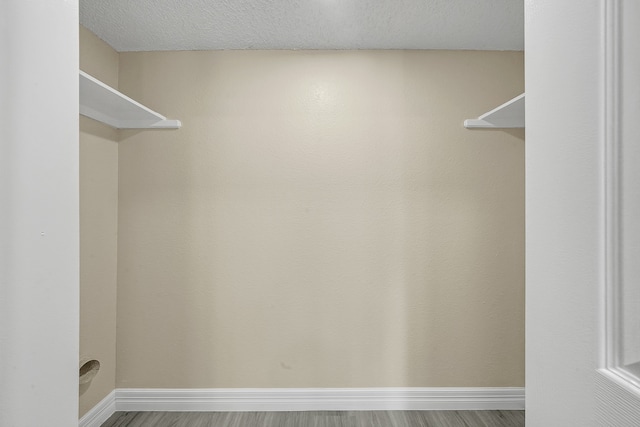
[508,115]
[105,104]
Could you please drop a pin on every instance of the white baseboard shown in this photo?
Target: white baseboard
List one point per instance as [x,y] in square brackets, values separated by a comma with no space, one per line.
[319,399]
[99,413]
[303,399]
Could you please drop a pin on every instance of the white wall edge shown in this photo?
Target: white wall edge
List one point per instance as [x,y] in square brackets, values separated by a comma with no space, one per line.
[100,413]
[320,399]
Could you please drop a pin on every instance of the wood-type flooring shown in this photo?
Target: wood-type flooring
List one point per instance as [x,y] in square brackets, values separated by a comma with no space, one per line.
[319,419]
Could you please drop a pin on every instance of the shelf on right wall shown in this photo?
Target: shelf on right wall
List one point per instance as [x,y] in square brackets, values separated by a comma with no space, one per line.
[509,115]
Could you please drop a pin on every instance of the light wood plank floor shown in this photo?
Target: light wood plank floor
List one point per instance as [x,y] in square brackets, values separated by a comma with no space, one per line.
[319,419]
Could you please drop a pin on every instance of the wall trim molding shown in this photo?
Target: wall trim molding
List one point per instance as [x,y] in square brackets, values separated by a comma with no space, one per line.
[99,413]
[304,399]
[319,399]
[610,294]
[612,337]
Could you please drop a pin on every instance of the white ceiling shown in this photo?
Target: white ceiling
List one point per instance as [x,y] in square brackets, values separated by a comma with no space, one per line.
[143,25]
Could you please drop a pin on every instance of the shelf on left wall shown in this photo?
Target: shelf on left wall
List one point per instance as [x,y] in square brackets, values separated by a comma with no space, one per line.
[105,104]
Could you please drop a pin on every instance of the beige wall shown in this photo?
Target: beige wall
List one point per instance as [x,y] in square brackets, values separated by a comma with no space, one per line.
[321,220]
[98,228]
[98,58]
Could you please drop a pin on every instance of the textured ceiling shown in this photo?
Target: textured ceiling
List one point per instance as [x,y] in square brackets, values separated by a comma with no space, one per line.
[143,25]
